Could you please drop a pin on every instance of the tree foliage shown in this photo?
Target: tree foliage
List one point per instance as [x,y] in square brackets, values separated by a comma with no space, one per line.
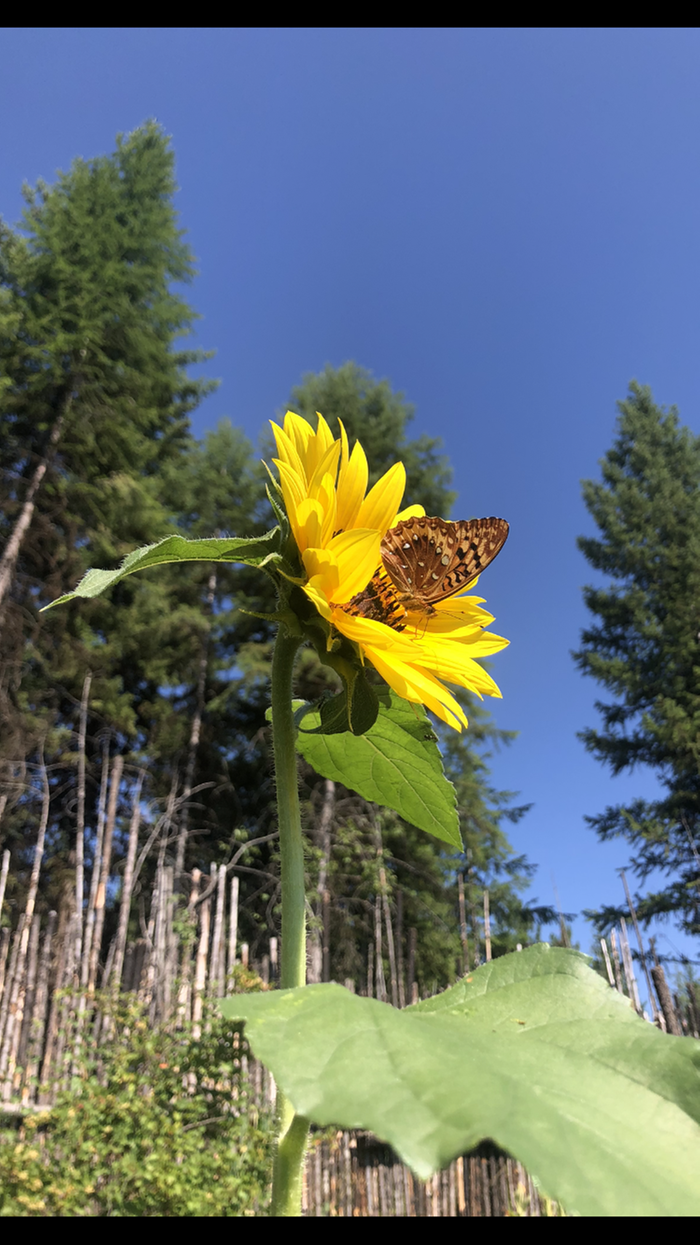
[644,647]
[96,392]
[179,656]
[378,417]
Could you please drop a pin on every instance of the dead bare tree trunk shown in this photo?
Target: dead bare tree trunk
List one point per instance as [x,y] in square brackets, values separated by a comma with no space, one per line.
[10,977]
[8,561]
[184,1002]
[96,867]
[383,900]
[487,926]
[319,939]
[3,876]
[216,984]
[608,965]
[16,1002]
[399,946]
[80,825]
[117,770]
[127,884]
[412,983]
[200,975]
[379,979]
[54,1045]
[672,1022]
[28,991]
[472,915]
[38,1020]
[463,924]
[195,734]
[638,932]
[147,994]
[616,961]
[163,982]
[232,933]
[628,966]
[4,948]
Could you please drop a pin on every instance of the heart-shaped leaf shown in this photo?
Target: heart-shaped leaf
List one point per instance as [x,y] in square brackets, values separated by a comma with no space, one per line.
[256,551]
[396,763]
[533,1050]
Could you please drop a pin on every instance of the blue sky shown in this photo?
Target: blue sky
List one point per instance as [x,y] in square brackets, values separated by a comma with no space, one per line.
[502,222]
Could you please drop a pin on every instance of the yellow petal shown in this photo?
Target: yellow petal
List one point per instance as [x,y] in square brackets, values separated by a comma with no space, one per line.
[381,503]
[357,556]
[366,631]
[448,625]
[309,520]
[327,466]
[288,452]
[291,482]
[411,512]
[413,683]
[318,445]
[299,431]
[322,569]
[352,482]
[316,594]
[460,667]
[293,491]
[461,605]
[323,433]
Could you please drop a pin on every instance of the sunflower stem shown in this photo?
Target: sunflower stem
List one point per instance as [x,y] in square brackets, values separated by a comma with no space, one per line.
[292,1129]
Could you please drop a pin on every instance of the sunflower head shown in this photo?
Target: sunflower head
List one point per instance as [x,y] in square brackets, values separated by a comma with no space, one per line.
[342,597]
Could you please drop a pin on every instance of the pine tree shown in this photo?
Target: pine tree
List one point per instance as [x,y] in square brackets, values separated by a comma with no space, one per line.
[377,417]
[94,402]
[218,488]
[94,398]
[645,647]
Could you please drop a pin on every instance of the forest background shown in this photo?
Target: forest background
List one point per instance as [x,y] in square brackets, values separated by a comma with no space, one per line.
[503,232]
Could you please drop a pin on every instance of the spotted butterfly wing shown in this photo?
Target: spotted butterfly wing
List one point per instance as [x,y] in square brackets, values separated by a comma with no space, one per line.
[428,560]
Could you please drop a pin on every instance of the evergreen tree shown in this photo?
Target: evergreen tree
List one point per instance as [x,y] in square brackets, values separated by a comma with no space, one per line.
[219,700]
[94,403]
[645,647]
[377,417]
[94,397]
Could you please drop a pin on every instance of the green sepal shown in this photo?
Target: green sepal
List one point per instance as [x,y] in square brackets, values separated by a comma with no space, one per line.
[279,512]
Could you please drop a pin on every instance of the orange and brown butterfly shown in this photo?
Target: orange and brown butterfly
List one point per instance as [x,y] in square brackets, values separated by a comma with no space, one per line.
[425,561]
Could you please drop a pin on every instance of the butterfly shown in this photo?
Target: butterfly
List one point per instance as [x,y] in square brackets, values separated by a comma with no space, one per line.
[425,561]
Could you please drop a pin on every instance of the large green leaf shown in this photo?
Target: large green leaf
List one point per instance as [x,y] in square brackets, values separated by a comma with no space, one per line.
[396,763]
[533,1050]
[254,552]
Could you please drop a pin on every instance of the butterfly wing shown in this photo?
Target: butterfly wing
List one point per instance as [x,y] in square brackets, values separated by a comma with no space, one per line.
[429,560]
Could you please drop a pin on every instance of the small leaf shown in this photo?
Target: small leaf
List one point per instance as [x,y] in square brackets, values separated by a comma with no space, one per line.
[256,551]
[396,763]
[364,704]
[333,712]
[535,1052]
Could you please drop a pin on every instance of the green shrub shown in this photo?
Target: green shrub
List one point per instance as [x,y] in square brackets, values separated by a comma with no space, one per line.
[135,1137]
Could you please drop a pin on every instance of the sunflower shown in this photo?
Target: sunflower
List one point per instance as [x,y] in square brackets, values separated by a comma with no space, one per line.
[338,529]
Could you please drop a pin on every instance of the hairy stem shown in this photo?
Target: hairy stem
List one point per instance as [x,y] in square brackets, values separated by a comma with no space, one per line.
[293,1129]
